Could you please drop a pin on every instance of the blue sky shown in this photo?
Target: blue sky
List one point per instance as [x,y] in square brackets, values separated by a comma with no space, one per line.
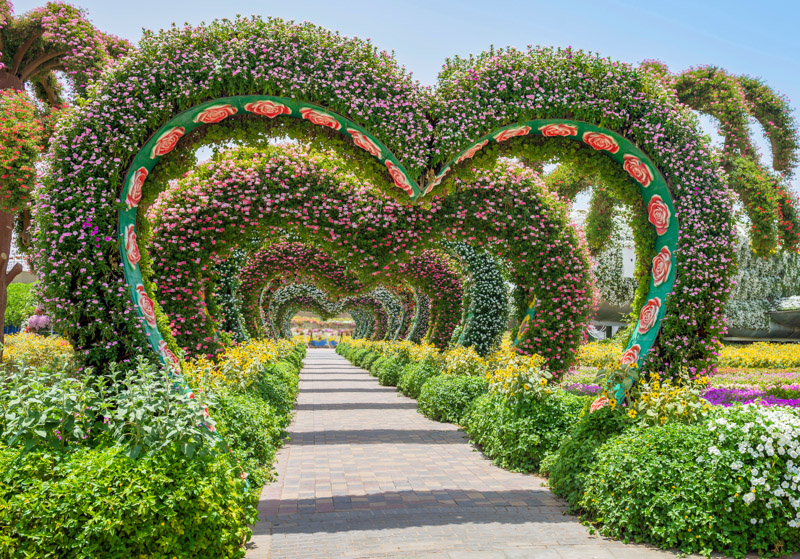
[760,39]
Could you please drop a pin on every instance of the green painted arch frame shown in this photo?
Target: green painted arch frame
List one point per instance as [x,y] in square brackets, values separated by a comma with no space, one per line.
[653,187]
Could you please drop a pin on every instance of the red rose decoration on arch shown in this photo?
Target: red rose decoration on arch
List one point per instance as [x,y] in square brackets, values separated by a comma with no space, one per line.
[169,357]
[319,118]
[269,109]
[399,178]
[638,169]
[648,315]
[131,248]
[167,141]
[146,305]
[601,142]
[364,142]
[631,355]
[662,264]
[135,191]
[553,130]
[472,151]
[215,113]
[512,133]
[601,402]
[658,214]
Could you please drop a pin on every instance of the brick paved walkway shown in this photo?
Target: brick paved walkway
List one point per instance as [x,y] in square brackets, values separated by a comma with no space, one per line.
[365,475]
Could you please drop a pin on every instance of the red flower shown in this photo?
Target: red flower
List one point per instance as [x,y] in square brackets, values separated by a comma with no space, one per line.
[319,118]
[658,214]
[215,113]
[601,402]
[400,180]
[551,130]
[268,108]
[167,141]
[135,189]
[638,169]
[146,305]
[131,248]
[649,314]
[631,355]
[472,151]
[601,142]
[662,263]
[512,133]
[364,142]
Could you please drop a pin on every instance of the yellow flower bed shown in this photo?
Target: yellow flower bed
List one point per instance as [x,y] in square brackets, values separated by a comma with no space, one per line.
[764,355]
[238,366]
[600,354]
[35,350]
[761,354]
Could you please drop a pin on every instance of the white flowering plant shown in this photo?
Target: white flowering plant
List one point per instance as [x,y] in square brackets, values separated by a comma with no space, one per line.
[730,484]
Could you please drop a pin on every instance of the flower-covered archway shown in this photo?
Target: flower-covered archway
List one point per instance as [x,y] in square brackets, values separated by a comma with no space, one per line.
[346,95]
[287,189]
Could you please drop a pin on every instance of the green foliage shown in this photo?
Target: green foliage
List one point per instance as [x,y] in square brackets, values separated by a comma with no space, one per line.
[138,410]
[20,305]
[447,397]
[389,372]
[570,464]
[145,413]
[415,375]
[368,360]
[278,386]
[728,485]
[517,434]
[100,503]
[252,429]
[376,365]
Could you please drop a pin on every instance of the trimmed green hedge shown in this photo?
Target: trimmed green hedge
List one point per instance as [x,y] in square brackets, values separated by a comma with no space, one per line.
[89,499]
[518,435]
[414,376]
[570,464]
[447,397]
[389,372]
[100,503]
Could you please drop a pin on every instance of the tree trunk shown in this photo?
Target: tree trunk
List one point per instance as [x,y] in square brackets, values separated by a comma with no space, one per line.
[6,275]
[8,80]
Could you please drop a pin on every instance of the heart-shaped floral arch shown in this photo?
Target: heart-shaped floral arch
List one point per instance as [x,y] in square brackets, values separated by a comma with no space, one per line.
[226,201]
[405,140]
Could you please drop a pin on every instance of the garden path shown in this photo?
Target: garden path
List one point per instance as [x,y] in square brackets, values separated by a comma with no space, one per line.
[365,475]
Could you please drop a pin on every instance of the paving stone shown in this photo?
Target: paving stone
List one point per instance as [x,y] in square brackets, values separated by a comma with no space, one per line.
[364,475]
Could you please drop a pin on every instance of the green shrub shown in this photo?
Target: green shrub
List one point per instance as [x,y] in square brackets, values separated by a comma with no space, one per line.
[376,365]
[517,434]
[358,356]
[20,304]
[369,359]
[729,484]
[415,375]
[100,503]
[253,431]
[447,397]
[278,386]
[389,372]
[570,464]
[138,409]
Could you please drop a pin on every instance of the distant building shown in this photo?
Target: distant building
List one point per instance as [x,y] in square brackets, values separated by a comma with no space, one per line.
[16,257]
